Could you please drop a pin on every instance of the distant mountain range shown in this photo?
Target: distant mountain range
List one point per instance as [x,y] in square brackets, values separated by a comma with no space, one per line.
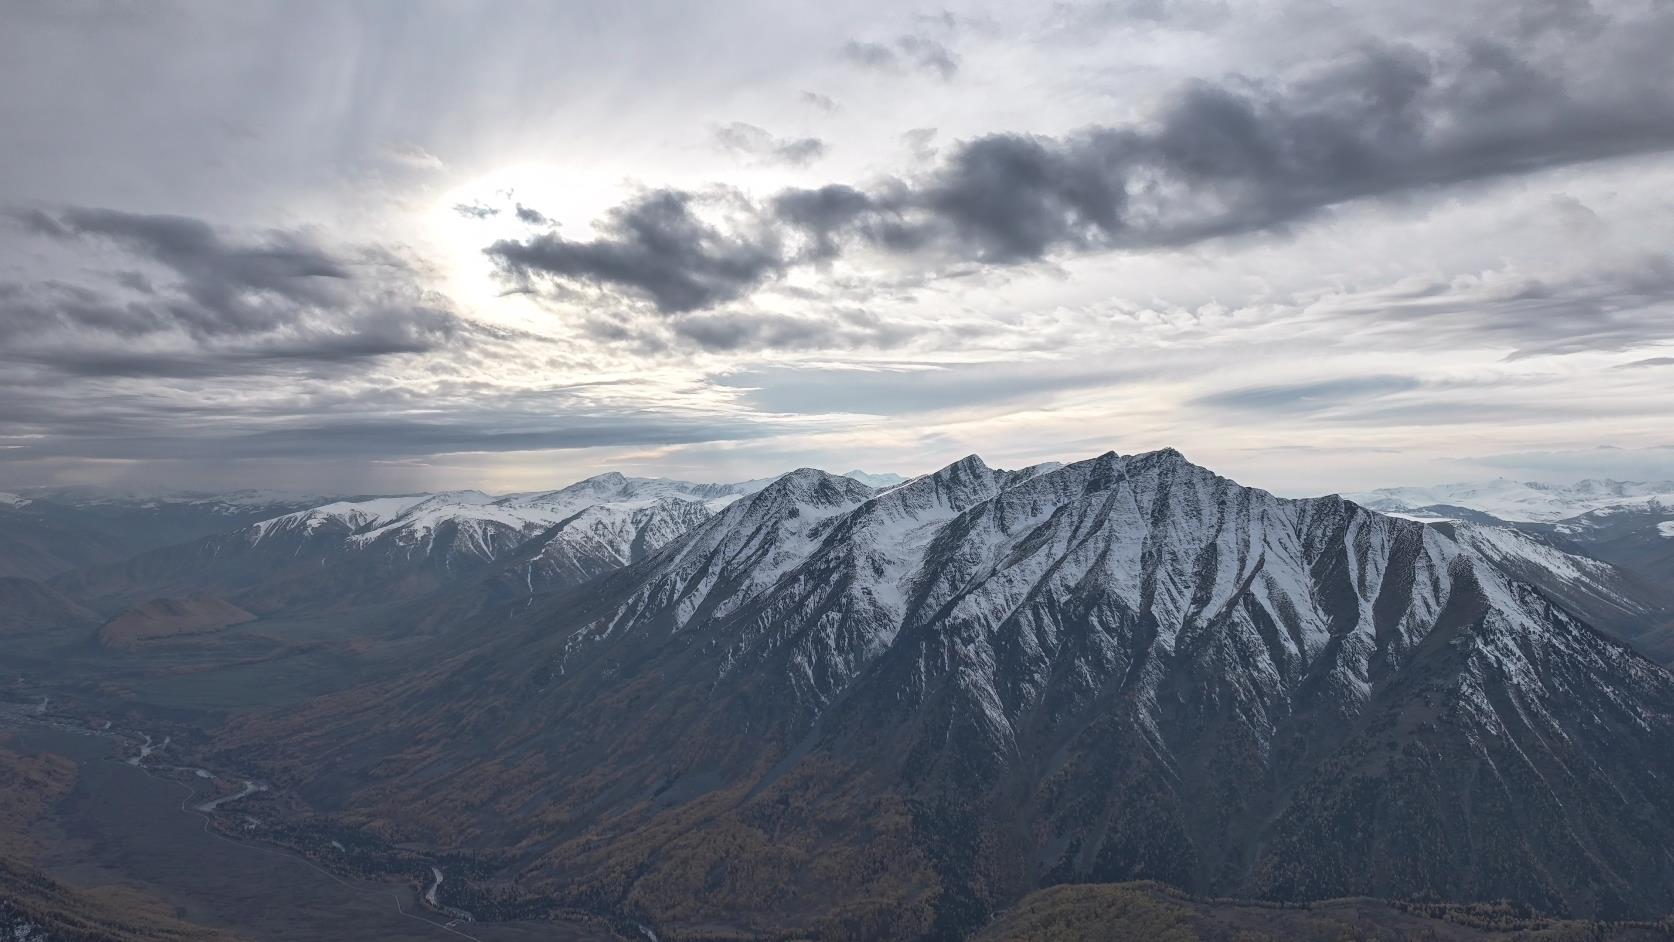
[1524,501]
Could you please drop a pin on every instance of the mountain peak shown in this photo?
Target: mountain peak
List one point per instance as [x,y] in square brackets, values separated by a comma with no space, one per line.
[607,479]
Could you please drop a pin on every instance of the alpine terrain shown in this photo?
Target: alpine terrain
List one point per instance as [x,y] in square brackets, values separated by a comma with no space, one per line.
[845,712]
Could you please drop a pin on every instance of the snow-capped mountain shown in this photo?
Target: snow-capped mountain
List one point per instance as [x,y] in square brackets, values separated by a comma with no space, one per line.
[879,480]
[1521,501]
[1620,523]
[382,548]
[927,700]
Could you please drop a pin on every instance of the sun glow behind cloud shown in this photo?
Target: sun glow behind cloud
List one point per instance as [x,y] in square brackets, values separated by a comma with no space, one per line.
[1396,326]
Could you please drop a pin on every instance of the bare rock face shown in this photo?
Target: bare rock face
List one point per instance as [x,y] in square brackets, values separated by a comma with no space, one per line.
[169,618]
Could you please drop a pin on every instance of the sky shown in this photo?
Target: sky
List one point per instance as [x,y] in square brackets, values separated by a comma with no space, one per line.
[1317,245]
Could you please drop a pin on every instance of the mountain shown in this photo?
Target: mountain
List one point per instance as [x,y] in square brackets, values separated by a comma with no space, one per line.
[875,480]
[46,531]
[28,607]
[371,551]
[1523,501]
[1609,595]
[1628,525]
[169,618]
[1152,912]
[846,713]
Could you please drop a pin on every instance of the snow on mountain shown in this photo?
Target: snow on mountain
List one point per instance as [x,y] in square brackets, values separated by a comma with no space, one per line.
[347,514]
[605,537]
[589,527]
[970,543]
[1521,501]
[1122,668]
[880,480]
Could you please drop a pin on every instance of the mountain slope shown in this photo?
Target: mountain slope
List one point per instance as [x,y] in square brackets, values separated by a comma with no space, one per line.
[169,618]
[29,607]
[47,531]
[848,713]
[351,553]
[1619,524]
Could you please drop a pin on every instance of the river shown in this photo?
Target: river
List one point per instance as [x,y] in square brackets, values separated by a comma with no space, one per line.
[123,824]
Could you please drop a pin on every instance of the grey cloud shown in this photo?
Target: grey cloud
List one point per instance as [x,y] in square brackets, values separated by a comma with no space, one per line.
[530,216]
[910,51]
[751,141]
[377,424]
[824,103]
[1186,14]
[1309,397]
[1216,160]
[1647,362]
[656,247]
[920,143]
[213,302]
[475,210]
[1605,309]
[907,390]
[733,331]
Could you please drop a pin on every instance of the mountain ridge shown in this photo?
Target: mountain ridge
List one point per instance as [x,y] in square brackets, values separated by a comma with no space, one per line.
[1127,667]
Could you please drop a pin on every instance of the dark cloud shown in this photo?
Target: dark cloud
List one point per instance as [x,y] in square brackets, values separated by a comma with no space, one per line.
[1216,160]
[750,141]
[910,51]
[329,424]
[656,247]
[531,216]
[212,304]
[733,331]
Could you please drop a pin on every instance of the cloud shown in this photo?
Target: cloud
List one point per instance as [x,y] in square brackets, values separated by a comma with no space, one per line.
[412,155]
[1310,397]
[1612,308]
[824,103]
[1214,160]
[531,216]
[751,141]
[736,331]
[656,247]
[1647,362]
[476,210]
[1654,463]
[379,424]
[909,388]
[909,51]
[211,304]
[920,143]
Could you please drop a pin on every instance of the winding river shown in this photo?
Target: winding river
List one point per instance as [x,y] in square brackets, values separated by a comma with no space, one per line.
[124,824]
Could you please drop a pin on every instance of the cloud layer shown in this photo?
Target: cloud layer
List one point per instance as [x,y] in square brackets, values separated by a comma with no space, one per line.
[512,243]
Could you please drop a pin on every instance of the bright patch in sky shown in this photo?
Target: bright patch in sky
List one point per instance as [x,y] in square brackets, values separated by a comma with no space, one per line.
[503,245]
